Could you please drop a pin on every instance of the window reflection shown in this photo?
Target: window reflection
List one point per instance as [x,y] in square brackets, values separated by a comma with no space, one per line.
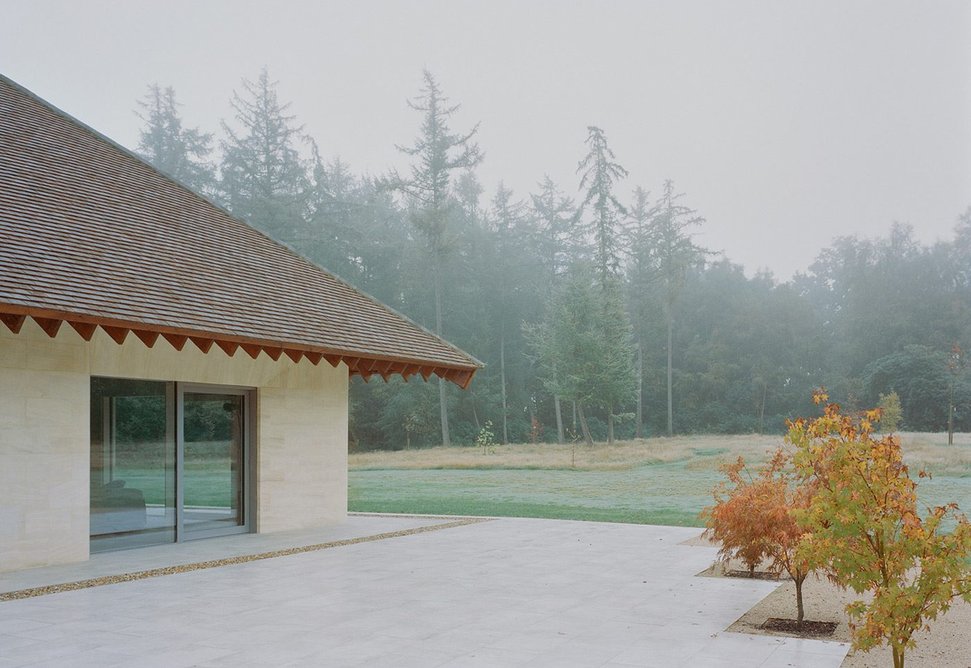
[132,463]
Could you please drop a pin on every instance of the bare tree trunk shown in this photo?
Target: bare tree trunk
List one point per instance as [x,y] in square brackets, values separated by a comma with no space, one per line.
[475,414]
[583,425]
[639,429]
[560,436]
[670,383]
[502,381]
[442,396]
[762,408]
[610,424]
[950,415]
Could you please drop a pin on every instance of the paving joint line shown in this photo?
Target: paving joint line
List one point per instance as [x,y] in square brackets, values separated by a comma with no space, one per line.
[226,561]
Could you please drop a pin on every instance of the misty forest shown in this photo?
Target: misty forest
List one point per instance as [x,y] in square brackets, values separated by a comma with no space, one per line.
[594,311]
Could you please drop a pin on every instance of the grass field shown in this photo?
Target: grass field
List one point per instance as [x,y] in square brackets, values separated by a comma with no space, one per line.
[650,481]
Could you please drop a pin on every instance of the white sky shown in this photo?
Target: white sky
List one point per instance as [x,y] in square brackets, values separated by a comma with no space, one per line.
[786,123]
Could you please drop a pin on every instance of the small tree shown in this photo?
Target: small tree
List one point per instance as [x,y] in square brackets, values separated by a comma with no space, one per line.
[734,520]
[890,412]
[753,520]
[865,530]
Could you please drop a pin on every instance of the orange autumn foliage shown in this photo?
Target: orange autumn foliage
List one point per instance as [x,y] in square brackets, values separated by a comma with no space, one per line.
[752,519]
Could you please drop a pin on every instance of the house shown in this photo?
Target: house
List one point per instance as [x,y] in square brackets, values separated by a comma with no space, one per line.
[166,371]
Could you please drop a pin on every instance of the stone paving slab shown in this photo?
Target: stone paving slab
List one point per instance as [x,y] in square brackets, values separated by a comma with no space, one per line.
[509,592]
[109,564]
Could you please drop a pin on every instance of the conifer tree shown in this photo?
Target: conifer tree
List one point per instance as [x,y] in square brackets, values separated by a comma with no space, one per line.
[555,241]
[437,153]
[641,274]
[264,178]
[674,254]
[180,152]
[600,173]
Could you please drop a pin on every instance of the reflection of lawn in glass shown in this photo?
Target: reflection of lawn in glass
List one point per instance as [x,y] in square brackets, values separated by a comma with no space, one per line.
[208,482]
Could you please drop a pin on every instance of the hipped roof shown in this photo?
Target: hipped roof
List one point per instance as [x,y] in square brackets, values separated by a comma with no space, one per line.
[93,236]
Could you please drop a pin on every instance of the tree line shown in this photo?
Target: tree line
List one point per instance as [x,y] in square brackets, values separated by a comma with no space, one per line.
[594,310]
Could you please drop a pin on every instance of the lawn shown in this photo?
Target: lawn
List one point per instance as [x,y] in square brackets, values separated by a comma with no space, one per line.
[652,481]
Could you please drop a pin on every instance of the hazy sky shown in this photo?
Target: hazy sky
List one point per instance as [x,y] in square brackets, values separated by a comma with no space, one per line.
[786,123]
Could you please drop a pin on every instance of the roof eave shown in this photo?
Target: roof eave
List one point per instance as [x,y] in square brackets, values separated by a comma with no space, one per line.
[362,363]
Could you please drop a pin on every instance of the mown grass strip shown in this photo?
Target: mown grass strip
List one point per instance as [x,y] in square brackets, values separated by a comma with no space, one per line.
[464,506]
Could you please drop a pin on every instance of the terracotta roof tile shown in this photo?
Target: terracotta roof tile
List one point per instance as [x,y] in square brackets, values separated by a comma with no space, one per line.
[90,233]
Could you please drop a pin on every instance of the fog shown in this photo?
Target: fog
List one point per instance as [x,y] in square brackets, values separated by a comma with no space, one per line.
[786,124]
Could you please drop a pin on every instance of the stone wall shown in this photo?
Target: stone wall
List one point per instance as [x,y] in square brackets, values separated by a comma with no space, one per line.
[300,441]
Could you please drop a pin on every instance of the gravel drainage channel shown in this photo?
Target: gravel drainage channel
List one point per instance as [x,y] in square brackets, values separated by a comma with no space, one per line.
[228,561]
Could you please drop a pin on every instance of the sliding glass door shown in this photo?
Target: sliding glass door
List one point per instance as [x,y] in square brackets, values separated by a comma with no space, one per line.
[169,462]
[133,463]
[213,440]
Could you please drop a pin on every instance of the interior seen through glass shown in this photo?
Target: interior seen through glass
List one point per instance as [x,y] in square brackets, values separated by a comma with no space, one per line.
[213,435]
[132,463]
[136,472]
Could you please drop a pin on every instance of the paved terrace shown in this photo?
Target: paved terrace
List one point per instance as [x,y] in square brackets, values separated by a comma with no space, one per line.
[424,592]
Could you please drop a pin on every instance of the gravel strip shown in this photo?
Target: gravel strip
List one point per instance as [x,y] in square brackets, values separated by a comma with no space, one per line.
[216,563]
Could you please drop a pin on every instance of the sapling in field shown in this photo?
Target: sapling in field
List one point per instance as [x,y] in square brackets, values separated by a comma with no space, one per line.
[864,529]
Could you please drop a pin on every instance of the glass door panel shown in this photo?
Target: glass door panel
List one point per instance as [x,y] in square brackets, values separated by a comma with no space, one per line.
[133,471]
[213,462]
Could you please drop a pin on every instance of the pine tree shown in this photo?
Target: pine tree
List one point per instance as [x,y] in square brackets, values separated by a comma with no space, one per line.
[180,152]
[335,236]
[506,219]
[264,178]
[674,254]
[583,346]
[437,153]
[555,240]
[600,173]
[641,274]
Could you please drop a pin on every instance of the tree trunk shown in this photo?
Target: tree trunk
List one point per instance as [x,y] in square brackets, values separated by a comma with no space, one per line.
[502,381]
[583,425]
[799,606]
[762,408]
[442,396]
[670,377]
[898,657]
[475,414]
[639,429]
[560,436]
[610,424]
[950,415]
